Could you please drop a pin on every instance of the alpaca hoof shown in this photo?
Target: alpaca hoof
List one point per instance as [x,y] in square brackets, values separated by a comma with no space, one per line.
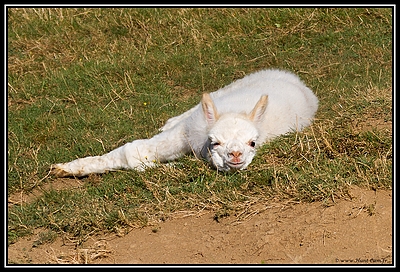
[56,171]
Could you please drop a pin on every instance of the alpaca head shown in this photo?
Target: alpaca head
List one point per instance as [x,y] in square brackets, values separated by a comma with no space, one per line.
[232,137]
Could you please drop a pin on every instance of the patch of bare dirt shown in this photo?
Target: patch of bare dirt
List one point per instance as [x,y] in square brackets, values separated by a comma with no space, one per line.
[352,231]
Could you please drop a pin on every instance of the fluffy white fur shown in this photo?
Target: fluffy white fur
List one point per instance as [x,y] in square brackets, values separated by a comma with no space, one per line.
[225,128]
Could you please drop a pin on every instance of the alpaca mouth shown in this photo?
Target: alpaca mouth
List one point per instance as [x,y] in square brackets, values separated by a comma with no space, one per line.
[235,165]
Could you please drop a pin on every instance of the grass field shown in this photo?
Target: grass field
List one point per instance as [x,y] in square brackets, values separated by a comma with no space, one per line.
[82,82]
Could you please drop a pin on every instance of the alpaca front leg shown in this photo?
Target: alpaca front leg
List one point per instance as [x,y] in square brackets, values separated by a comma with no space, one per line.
[134,155]
[137,155]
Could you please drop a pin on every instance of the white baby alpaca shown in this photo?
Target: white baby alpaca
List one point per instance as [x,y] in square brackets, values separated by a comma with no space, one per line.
[225,128]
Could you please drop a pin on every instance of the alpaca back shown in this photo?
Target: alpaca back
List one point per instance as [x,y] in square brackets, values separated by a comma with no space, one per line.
[283,89]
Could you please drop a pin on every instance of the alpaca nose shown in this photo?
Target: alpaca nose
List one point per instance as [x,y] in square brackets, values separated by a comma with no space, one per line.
[235,154]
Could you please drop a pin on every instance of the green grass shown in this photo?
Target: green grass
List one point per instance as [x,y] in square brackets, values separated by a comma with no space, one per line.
[82,82]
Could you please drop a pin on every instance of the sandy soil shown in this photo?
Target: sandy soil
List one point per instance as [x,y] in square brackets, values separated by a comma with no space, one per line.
[352,231]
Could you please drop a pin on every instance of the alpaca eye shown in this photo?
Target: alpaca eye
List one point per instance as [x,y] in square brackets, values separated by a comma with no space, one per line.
[252,144]
[215,144]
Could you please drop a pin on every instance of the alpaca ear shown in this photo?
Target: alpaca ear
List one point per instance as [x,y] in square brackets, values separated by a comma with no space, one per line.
[257,113]
[209,110]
